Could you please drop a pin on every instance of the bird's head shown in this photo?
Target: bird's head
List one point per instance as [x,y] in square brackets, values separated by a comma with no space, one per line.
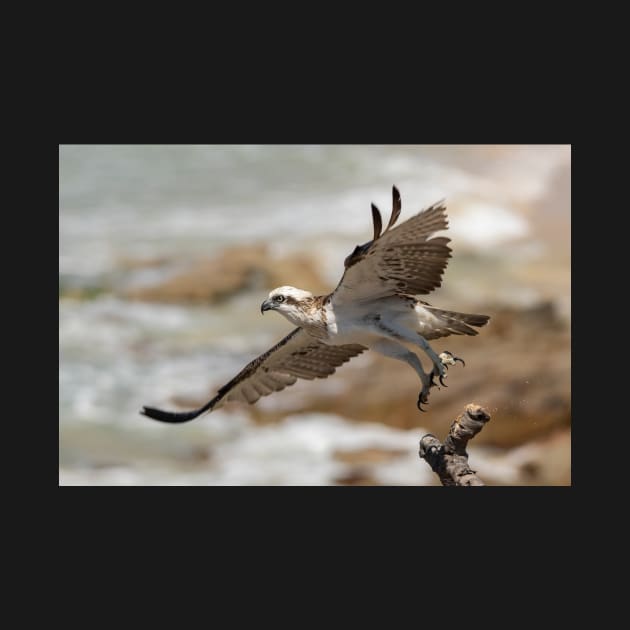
[293,303]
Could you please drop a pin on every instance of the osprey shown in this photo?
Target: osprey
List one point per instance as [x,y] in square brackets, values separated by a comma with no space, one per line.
[375,306]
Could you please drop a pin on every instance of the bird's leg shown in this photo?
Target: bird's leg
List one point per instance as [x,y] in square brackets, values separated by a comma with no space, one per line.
[439,368]
[390,348]
[400,332]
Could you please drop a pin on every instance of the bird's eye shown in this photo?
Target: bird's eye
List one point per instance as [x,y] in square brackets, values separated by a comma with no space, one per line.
[279,298]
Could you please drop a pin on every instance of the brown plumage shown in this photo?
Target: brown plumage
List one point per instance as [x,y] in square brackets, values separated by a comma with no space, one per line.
[374,305]
[403,259]
[453,323]
[298,355]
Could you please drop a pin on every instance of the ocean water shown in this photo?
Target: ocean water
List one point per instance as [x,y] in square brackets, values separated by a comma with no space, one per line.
[122,207]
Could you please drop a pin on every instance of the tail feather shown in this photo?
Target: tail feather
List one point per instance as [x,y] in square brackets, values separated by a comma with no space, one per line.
[459,323]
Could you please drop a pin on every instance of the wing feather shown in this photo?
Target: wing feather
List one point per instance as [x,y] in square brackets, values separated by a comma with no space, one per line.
[403,259]
[296,356]
[396,206]
[378,222]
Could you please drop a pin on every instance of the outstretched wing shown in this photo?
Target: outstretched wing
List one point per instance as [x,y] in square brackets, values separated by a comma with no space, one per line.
[400,260]
[298,355]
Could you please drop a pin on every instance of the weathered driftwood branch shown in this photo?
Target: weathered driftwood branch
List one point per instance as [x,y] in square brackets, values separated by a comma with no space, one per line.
[450,460]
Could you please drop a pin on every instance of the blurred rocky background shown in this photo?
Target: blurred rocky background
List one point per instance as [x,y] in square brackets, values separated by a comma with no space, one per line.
[166,252]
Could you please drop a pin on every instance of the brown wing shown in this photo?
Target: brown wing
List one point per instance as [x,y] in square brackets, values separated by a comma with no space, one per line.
[298,355]
[401,260]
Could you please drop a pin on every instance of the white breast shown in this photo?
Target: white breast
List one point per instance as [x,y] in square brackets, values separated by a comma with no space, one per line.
[348,324]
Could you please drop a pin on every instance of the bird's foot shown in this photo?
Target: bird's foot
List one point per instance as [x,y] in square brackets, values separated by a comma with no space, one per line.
[448,358]
[439,370]
[423,398]
[441,378]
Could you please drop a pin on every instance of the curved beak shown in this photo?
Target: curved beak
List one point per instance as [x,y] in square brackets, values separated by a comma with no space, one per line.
[267,305]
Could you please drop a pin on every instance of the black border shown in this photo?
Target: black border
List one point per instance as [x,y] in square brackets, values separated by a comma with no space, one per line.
[410,109]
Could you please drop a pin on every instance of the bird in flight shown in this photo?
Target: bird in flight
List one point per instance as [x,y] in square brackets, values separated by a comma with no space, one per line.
[375,306]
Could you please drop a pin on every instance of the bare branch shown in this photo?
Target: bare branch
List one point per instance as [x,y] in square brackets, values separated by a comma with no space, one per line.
[450,460]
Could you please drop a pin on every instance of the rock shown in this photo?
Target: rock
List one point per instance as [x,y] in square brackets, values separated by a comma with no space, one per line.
[234,270]
[542,462]
[356,477]
[367,456]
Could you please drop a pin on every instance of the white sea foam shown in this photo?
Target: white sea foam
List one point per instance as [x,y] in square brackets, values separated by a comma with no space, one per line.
[483,225]
[300,450]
